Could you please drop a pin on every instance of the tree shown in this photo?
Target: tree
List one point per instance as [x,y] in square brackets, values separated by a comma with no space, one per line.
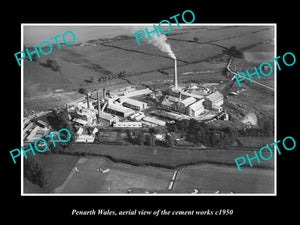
[34,172]
[185,123]
[267,127]
[122,74]
[170,141]
[141,138]
[53,65]
[83,91]
[154,130]
[34,57]
[194,125]
[63,116]
[130,135]
[148,139]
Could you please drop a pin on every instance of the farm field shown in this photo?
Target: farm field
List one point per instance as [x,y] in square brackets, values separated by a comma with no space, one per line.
[119,179]
[79,63]
[140,179]
[212,178]
[166,157]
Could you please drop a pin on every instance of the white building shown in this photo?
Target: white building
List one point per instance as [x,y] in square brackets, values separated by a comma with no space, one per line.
[80,121]
[134,104]
[183,104]
[137,116]
[137,93]
[119,110]
[79,131]
[188,101]
[95,130]
[154,121]
[127,124]
[85,138]
[36,133]
[108,117]
[216,99]
[196,109]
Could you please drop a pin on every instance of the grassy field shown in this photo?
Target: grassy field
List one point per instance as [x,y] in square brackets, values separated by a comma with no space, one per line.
[122,177]
[79,63]
[166,157]
[212,178]
[119,179]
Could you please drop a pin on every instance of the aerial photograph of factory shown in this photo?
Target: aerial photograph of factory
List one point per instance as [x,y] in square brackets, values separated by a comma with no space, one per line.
[165,119]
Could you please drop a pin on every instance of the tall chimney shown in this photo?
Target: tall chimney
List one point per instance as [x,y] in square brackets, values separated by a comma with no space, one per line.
[88,100]
[99,106]
[175,74]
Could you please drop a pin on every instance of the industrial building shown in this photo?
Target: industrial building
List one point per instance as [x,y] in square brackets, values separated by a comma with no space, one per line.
[28,128]
[95,130]
[196,109]
[128,124]
[80,121]
[108,117]
[137,93]
[137,116]
[41,123]
[154,120]
[85,138]
[134,104]
[168,115]
[250,119]
[167,104]
[182,105]
[36,133]
[170,102]
[79,131]
[119,110]
[216,99]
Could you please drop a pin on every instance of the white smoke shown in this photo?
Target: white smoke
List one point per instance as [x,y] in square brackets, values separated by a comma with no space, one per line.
[159,42]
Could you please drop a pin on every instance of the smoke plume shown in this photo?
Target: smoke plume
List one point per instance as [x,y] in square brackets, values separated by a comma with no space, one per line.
[159,42]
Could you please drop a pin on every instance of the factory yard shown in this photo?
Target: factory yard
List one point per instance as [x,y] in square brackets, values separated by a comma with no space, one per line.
[136,115]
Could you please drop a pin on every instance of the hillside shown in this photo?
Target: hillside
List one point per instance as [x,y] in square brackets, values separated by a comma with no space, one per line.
[97,63]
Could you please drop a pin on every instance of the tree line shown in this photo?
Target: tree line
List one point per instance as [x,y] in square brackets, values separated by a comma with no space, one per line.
[201,133]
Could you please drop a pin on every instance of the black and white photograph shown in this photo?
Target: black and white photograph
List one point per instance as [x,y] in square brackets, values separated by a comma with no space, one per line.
[150,113]
[144,109]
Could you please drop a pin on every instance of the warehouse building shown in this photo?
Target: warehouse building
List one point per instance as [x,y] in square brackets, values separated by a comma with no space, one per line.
[119,110]
[154,121]
[167,104]
[196,109]
[137,93]
[36,133]
[108,117]
[80,121]
[41,123]
[134,104]
[79,131]
[183,104]
[85,138]
[216,99]
[128,124]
